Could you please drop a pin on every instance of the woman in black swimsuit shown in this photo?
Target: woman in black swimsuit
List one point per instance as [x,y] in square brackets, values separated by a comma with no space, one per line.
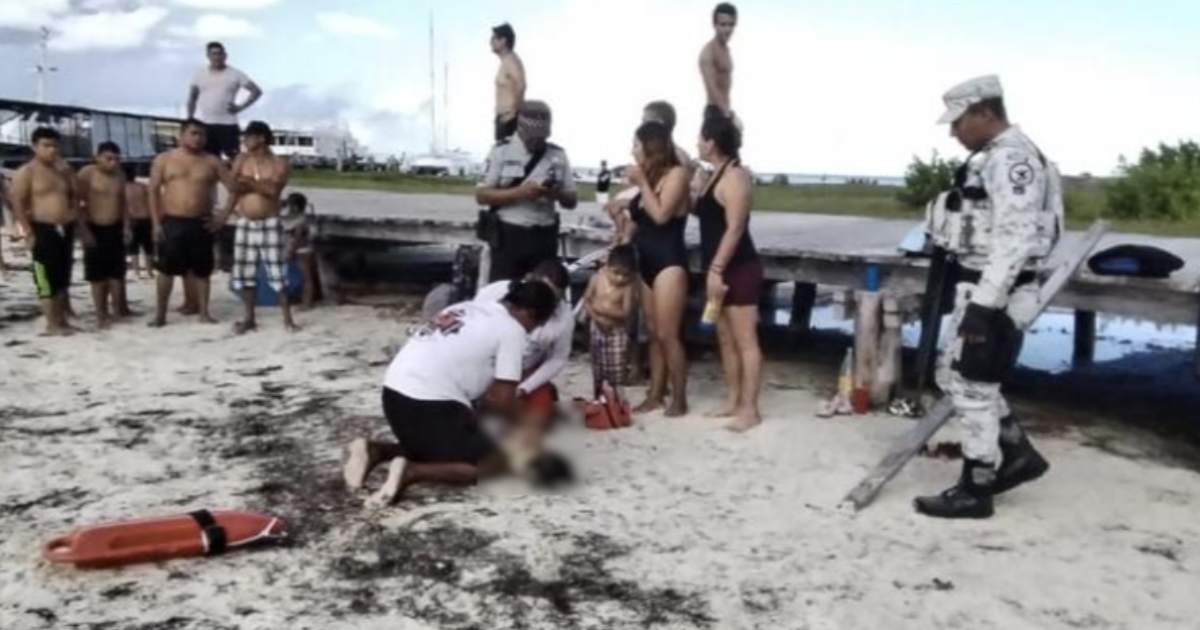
[734,270]
[659,214]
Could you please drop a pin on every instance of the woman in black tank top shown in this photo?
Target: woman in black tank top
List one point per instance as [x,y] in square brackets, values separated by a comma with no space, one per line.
[659,213]
[734,273]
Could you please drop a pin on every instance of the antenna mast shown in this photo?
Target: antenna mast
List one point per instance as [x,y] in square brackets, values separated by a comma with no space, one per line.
[433,129]
[43,67]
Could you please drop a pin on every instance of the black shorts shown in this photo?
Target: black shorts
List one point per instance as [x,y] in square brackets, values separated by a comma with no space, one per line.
[143,237]
[223,140]
[436,431]
[520,248]
[505,128]
[105,261]
[186,248]
[52,259]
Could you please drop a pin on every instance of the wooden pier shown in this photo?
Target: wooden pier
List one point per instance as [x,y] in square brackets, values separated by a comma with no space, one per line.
[804,249]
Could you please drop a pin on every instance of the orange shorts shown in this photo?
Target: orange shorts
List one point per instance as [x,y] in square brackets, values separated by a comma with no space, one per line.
[540,403]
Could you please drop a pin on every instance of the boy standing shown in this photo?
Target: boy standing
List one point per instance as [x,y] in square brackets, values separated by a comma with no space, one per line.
[141,238]
[102,200]
[610,302]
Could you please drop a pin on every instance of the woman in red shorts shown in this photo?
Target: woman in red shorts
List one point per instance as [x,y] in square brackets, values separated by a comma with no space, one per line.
[733,269]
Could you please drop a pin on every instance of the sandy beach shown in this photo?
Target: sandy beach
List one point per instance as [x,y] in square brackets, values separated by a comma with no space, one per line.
[674,523]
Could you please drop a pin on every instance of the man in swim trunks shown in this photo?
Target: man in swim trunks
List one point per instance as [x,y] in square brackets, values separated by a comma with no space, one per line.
[44,204]
[510,81]
[182,184]
[259,177]
[716,63]
[141,228]
[102,201]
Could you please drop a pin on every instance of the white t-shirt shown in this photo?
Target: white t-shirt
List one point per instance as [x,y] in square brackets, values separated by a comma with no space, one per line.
[549,346]
[458,354]
[218,89]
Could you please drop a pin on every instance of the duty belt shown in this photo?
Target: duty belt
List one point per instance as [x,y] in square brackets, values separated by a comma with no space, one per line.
[972,276]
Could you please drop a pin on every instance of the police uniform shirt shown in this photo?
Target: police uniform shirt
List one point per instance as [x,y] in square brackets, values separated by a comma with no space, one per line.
[1022,226]
[505,168]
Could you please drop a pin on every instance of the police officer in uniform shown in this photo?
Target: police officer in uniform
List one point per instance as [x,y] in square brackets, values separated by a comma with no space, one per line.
[1001,221]
[525,178]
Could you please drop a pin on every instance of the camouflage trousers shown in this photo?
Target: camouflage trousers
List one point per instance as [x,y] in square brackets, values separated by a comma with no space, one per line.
[980,406]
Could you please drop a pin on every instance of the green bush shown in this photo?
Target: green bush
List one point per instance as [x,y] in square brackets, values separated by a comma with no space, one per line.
[779,180]
[924,180]
[1163,184]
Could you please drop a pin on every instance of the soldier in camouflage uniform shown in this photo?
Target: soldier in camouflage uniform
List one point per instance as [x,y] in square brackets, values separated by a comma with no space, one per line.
[1001,220]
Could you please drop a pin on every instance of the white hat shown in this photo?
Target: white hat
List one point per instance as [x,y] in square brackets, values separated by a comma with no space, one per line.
[968,93]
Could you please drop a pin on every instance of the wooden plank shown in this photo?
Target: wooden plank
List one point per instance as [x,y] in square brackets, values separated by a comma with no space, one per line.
[901,452]
[910,443]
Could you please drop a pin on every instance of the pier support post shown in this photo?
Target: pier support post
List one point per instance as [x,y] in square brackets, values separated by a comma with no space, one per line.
[1085,338]
[804,297]
[1197,348]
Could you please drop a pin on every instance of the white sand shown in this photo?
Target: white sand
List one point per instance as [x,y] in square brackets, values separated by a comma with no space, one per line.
[674,524]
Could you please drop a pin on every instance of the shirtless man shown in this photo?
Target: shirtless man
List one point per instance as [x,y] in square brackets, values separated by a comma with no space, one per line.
[182,184]
[44,203]
[141,228]
[716,64]
[259,179]
[102,203]
[510,81]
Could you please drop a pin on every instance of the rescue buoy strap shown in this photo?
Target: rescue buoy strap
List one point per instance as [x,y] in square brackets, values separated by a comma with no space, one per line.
[212,534]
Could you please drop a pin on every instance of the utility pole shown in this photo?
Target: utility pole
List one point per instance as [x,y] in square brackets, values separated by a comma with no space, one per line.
[43,67]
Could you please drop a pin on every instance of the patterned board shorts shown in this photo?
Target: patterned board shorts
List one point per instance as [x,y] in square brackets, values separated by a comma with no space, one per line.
[609,351]
[258,240]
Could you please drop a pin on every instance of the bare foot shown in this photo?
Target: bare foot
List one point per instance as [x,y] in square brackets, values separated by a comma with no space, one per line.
[678,408]
[744,422]
[391,488]
[291,327]
[358,464]
[103,323]
[241,328]
[58,331]
[128,313]
[207,319]
[157,322]
[187,310]
[648,405]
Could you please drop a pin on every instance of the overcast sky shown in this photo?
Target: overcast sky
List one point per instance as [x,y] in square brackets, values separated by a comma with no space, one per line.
[823,87]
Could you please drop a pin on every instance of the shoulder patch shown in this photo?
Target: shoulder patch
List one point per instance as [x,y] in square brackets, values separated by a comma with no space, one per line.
[1021,173]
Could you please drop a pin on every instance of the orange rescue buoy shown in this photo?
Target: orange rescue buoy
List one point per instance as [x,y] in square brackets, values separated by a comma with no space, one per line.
[200,533]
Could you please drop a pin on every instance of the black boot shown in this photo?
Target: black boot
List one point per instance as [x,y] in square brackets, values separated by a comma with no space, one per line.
[1022,463]
[971,498]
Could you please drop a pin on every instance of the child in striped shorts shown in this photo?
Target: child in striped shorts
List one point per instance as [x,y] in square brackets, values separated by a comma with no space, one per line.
[610,301]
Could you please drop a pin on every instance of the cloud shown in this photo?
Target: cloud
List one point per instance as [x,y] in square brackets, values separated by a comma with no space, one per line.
[115,30]
[31,14]
[345,24]
[216,26]
[226,5]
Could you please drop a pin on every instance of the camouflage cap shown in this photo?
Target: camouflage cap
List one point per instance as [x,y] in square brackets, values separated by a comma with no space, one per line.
[968,93]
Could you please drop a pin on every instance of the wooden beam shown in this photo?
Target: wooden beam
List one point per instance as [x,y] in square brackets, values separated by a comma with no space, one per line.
[1085,338]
